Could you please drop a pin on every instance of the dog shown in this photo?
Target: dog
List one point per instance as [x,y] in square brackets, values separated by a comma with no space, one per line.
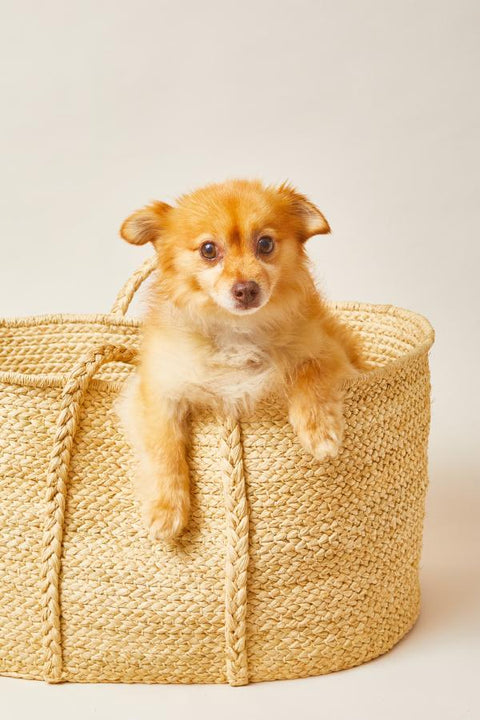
[233,315]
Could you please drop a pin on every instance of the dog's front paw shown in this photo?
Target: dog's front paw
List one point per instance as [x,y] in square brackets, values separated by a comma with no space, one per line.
[319,428]
[165,520]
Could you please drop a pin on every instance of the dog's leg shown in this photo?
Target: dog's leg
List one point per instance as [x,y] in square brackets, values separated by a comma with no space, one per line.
[157,428]
[316,407]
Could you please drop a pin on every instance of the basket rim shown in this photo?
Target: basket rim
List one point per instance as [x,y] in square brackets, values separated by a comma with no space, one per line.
[44,380]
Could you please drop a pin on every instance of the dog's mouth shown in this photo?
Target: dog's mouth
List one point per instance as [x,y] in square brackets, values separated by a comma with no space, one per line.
[245,309]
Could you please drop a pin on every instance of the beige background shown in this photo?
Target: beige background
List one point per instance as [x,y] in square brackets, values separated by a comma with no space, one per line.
[370,107]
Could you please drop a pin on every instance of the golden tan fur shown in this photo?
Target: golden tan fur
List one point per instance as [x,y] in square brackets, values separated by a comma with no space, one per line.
[203,346]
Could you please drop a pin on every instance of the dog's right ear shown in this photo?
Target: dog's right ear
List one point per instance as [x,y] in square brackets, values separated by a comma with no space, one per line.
[145,225]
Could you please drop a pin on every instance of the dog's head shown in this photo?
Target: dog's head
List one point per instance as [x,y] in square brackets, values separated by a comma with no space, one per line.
[234,247]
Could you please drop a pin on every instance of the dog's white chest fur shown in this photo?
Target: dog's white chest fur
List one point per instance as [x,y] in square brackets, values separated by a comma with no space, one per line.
[237,372]
[228,369]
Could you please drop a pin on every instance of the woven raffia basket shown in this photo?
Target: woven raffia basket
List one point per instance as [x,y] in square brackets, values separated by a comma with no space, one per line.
[290,567]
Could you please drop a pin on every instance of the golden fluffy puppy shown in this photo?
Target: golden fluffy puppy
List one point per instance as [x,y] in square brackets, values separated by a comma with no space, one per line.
[234,315]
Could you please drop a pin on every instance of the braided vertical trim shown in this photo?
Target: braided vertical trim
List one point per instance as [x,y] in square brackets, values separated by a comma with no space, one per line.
[236,561]
[71,401]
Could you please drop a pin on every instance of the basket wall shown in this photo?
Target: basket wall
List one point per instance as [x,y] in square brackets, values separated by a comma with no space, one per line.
[290,567]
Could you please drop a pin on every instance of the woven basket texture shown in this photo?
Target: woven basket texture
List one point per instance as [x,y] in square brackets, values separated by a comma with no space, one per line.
[290,567]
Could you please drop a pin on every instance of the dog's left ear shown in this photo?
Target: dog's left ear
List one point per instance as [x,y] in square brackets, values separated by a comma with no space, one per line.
[145,225]
[314,222]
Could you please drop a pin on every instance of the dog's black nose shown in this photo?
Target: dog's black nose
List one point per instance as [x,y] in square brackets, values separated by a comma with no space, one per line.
[246,293]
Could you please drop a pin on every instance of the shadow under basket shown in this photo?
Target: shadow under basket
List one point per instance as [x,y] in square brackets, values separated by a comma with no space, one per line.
[290,567]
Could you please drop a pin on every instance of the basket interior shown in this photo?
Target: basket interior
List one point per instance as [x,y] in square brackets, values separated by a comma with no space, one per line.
[53,345]
[388,333]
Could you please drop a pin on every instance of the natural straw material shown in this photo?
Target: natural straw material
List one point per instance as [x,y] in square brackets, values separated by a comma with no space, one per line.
[289,567]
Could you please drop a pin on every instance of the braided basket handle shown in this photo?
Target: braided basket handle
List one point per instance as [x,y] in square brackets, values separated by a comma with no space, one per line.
[237,538]
[127,292]
[71,402]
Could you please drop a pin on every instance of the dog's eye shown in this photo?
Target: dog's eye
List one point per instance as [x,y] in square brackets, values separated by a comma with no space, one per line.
[265,245]
[209,250]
